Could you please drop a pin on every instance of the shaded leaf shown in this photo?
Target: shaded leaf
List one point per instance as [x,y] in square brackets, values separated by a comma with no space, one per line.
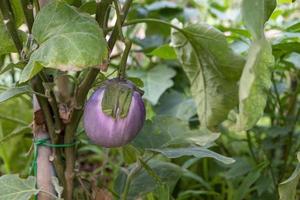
[13,187]
[68,40]
[245,186]
[176,104]
[166,131]
[156,81]
[12,92]
[197,152]
[212,68]
[142,183]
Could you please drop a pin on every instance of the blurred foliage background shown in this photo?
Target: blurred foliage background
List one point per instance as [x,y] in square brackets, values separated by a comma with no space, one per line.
[265,155]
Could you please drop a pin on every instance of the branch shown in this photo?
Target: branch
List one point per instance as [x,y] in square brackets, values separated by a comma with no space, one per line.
[80,97]
[37,86]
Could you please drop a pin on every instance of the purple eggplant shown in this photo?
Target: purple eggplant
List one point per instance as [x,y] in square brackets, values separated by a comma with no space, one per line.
[114,114]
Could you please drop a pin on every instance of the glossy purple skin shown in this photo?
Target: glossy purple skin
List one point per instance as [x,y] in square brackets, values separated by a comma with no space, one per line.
[107,131]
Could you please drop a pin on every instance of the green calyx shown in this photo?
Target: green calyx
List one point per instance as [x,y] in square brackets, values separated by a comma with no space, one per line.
[116,99]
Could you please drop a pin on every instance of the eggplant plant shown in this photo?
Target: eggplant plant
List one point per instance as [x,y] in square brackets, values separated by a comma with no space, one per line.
[145,99]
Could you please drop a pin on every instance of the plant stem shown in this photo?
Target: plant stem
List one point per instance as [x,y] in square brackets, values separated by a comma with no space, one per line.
[114,35]
[37,86]
[250,146]
[123,63]
[28,12]
[80,97]
[10,24]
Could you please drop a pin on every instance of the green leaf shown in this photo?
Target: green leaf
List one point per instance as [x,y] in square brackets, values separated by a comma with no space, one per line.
[197,152]
[143,183]
[176,104]
[156,81]
[288,188]
[244,187]
[7,45]
[10,66]
[254,84]
[164,52]
[255,14]
[212,68]
[12,92]
[165,131]
[13,187]
[16,132]
[68,40]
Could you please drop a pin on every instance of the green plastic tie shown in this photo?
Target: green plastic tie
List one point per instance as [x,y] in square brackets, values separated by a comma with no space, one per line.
[44,142]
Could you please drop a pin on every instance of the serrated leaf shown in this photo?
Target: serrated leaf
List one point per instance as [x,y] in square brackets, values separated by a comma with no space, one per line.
[156,81]
[12,92]
[142,183]
[254,84]
[165,131]
[255,14]
[68,40]
[13,187]
[212,68]
[197,152]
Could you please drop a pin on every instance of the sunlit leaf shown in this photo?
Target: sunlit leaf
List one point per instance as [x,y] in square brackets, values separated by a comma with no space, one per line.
[212,68]
[68,40]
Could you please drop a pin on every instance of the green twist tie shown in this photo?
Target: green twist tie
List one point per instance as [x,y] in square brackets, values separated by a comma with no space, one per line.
[44,142]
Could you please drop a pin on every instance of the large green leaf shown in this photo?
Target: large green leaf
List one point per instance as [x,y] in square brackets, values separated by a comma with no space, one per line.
[212,68]
[164,131]
[254,84]
[256,78]
[255,14]
[143,183]
[13,187]
[156,81]
[68,40]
